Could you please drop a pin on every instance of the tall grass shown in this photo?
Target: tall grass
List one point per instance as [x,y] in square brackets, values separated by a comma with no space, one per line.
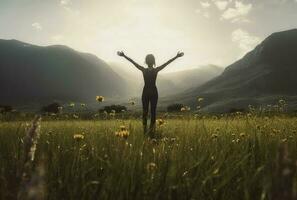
[239,157]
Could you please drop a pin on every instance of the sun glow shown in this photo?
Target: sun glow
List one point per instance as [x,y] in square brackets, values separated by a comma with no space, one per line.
[141,32]
[137,29]
[207,31]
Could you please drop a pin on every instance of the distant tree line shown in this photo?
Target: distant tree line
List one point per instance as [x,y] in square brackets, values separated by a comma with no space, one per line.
[175,107]
[55,108]
[51,108]
[5,109]
[113,108]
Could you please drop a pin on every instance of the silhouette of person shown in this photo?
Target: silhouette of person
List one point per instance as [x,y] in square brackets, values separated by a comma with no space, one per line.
[150,92]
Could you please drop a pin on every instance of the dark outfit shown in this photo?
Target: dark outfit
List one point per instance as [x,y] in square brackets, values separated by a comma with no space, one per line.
[149,95]
[150,92]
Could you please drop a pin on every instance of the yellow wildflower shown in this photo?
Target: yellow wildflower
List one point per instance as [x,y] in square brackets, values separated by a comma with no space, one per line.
[200,99]
[185,108]
[123,133]
[151,167]
[78,136]
[242,134]
[100,98]
[123,128]
[160,122]
[117,133]
[281,101]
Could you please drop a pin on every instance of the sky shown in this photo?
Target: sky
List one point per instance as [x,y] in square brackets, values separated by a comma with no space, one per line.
[208,31]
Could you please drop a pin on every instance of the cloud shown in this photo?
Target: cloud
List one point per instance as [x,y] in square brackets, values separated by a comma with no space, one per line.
[238,13]
[221,5]
[37,26]
[205,14]
[245,41]
[67,5]
[65,2]
[205,4]
[240,20]
[199,11]
[57,38]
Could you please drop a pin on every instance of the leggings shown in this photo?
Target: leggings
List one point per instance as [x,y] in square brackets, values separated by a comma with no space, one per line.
[149,96]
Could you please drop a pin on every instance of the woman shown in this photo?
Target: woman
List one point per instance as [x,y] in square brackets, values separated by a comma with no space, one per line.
[150,92]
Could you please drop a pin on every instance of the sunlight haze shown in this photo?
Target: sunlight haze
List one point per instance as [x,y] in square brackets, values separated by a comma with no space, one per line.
[208,31]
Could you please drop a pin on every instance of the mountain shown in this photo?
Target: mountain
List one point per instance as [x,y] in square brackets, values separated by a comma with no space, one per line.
[261,77]
[168,83]
[34,74]
[191,78]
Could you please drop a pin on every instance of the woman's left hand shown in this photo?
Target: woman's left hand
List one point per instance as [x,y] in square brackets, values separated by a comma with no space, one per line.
[120,53]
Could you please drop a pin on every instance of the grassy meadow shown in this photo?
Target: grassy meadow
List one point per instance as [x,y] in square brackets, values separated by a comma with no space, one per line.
[241,156]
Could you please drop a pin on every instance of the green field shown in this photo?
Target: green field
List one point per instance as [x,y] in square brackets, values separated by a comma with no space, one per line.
[235,157]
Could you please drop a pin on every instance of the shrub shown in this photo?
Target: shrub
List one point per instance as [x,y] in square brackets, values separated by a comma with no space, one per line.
[235,110]
[5,108]
[175,107]
[116,108]
[51,108]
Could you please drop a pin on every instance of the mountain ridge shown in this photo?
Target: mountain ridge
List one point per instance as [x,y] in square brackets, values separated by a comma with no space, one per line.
[268,70]
[55,72]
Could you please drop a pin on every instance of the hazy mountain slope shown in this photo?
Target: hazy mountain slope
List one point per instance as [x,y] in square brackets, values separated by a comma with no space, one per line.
[262,76]
[193,77]
[168,83]
[30,73]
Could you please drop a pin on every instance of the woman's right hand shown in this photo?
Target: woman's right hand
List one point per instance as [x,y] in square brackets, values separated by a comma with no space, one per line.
[180,54]
[120,53]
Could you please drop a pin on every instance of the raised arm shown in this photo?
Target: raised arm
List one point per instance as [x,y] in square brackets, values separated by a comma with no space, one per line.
[120,53]
[179,54]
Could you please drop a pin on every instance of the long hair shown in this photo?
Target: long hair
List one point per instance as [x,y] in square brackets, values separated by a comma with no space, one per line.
[150,60]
